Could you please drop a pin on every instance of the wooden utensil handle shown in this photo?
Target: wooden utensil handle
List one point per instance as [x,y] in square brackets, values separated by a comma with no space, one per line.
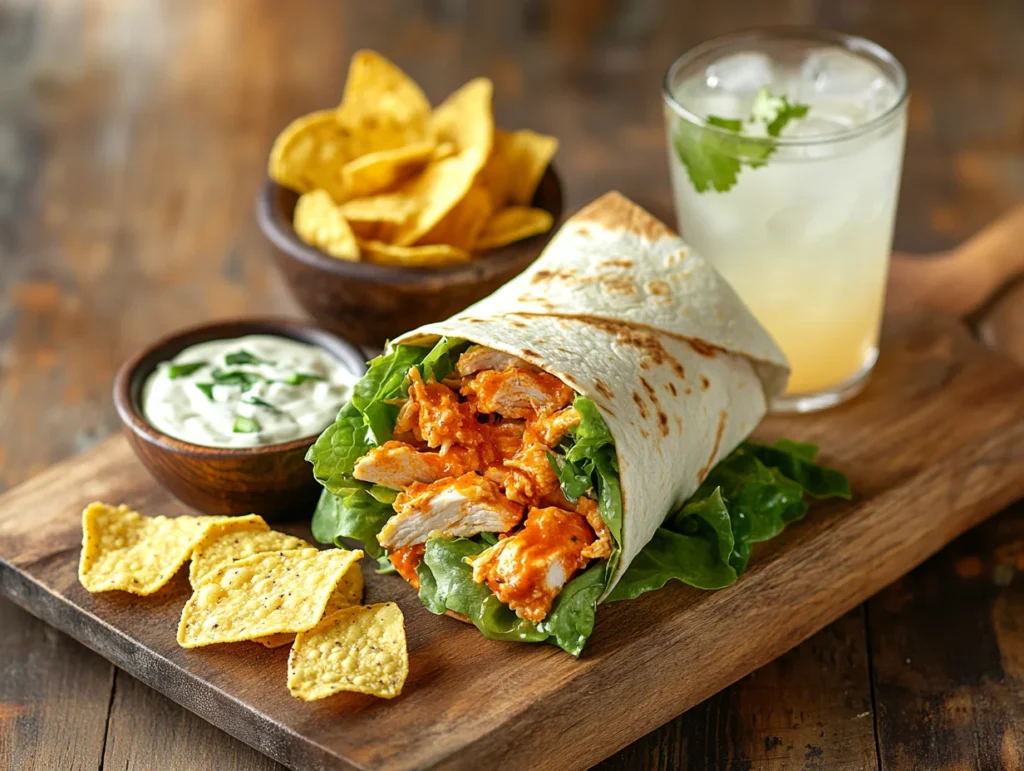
[962,280]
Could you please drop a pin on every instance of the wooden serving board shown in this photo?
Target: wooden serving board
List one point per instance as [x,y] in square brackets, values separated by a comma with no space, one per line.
[934,445]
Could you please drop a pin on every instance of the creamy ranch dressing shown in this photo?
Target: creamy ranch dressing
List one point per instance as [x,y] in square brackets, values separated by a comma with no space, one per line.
[246,392]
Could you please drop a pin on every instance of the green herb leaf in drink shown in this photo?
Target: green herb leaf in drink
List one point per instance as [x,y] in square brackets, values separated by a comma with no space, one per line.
[713,159]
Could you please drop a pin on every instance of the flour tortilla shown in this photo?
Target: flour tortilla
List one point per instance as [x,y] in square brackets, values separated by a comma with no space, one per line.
[624,312]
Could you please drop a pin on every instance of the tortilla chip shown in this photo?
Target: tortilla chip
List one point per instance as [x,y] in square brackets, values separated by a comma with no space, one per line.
[443,150]
[348,593]
[382,107]
[360,649]
[380,171]
[466,118]
[309,153]
[434,193]
[123,550]
[528,155]
[462,226]
[377,218]
[428,255]
[494,176]
[319,222]
[265,594]
[220,548]
[512,224]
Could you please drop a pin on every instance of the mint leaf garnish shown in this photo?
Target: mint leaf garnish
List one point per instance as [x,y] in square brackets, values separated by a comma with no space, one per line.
[713,160]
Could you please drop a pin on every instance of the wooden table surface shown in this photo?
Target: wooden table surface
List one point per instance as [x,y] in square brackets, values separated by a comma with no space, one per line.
[133,135]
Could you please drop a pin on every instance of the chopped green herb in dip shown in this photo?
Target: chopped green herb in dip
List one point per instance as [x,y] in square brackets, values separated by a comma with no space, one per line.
[246,392]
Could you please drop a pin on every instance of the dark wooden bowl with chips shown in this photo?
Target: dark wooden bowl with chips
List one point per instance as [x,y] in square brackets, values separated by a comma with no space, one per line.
[272,480]
[370,303]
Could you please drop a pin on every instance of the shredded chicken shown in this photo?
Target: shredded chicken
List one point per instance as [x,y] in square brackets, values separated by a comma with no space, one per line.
[601,549]
[469,456]
[479,357]
[398,465]
[406,560]
[434,414]
[517,393]
[549,430]
[452,508]
[527,570]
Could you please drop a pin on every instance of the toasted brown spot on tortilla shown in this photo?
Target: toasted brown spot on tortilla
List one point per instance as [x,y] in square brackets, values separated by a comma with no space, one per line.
[543,275]
[687,390]
[678,369]
[644,434]
[662,418]
[618,283]
[535,300]
[583,231]
[706,468]
[679,422]
[527,354]
[704,348]
[518,324]
[613,211]
[645,363]
[658,287]
[672,387]
[640,405]
[603,388]
[617,262]
[663,423]
[642,336]
[705,384]
[675,258]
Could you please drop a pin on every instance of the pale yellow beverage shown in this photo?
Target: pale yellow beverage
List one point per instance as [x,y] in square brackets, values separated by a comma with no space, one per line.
[795,211]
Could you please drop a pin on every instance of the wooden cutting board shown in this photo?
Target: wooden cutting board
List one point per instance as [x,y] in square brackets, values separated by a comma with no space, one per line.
[934,445]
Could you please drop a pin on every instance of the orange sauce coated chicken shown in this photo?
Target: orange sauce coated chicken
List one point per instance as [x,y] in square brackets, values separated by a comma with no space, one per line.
[471,456]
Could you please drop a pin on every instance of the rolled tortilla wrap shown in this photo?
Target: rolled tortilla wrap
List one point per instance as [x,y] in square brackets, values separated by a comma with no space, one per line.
[621,310]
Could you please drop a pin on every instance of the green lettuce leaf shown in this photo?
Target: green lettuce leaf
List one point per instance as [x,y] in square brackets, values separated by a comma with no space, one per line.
[748,498]
[446,583]
[356,514]
[349,508]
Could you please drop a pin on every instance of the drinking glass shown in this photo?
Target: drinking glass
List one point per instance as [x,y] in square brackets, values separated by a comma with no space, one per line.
[786,148]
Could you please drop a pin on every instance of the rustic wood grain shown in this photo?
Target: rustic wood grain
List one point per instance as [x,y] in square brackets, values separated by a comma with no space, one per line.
[920,481]
[149,731]
[948,653]
[54,696]
[810,708]
[132,141]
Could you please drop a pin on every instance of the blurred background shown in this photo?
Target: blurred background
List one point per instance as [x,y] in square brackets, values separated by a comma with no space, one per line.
[133,140]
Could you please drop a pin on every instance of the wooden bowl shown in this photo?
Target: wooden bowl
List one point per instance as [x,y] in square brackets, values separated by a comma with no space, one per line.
[274,480]
[370,303]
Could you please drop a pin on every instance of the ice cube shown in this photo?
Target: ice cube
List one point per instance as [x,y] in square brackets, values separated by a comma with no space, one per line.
[743,73]
[838,73]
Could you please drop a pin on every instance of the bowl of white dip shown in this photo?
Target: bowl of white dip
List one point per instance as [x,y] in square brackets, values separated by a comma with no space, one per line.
[222,414]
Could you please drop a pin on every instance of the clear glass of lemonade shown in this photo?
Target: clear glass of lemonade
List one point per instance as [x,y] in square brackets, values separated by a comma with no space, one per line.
[786,148]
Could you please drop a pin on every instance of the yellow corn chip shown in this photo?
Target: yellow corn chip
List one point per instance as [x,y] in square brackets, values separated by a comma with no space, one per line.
[443,150]
[466,118]
[220,548]
[382,107]
[434,193]
[428,255]
[265,594]
[377,218]
[309,153]
[123,550]
[348,593]
[494,176]
[319,222]
[462,226]
[528,155]
[360,649]
[380,171]
[512,224]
